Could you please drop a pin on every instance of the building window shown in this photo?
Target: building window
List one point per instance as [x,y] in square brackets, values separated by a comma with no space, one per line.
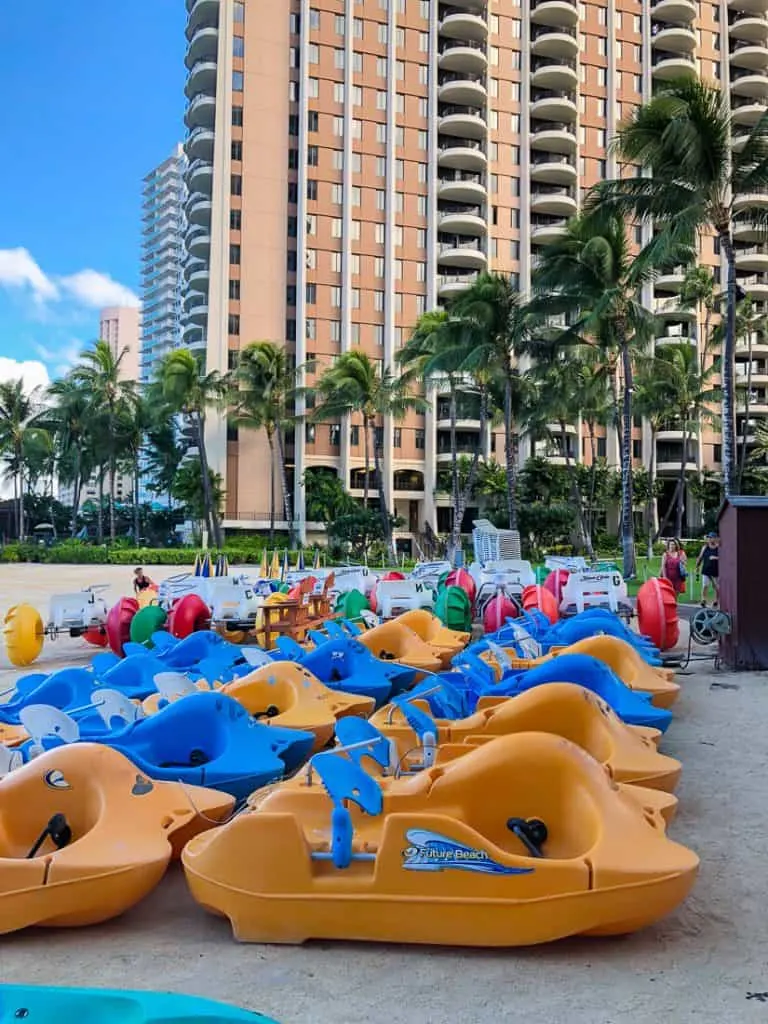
[334,435]
[235,220]
[397,437]
[290,295]
[293,225]
[239,15]
[312,188]
[234,324]
[238,46]
[237,149]
[237,117]
[309,432]
[293,124]
[602,448]
[236,186]
[234,289]
[312,293]
[420,437]
[313,121]
[293,159]
[310,328]
[336,297]
[234,254]
[237,81]
[637,449]
[354,436]
[313,155]
[313,53]
[290,330]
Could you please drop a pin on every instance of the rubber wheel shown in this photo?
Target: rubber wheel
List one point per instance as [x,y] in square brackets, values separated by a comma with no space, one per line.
[24,634]
[188,615]
[118,623]
[146,622]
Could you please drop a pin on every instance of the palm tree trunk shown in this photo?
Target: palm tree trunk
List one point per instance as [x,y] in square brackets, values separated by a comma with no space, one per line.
[729,344]
[75,492]
[465,493]
[367,455]
[272,470]
[287,504]
[456,526]
[510,455]
[576,495]
[112,522]
[100,517]
[627,525]
[136,485]
[211,511]
[651,518]
[386,527]
[680,504]
[21,502]
[747,399]
[592,482]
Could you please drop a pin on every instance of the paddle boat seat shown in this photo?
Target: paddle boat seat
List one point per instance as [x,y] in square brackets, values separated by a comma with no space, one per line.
[40,1004]
[446,642]
[522,840]
[612,651]
[341,663]
[392,641]
[288,695]
[564,709]
[66,688]
[84,835]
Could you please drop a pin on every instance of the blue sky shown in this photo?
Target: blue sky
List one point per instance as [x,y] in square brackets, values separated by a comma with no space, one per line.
[92,100]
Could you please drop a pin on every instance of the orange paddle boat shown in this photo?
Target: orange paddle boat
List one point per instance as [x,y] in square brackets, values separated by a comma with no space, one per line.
[84,836]
[392,641]
[445,642]
[522,840]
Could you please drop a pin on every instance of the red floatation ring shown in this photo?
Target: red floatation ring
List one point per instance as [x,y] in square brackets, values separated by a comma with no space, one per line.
[539,596]
[657,613]
[118,624]
[189,614]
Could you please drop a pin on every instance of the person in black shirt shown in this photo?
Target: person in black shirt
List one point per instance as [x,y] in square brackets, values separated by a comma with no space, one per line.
[708,563]
[140,581]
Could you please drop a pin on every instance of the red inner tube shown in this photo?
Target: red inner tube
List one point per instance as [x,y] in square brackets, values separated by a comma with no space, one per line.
[189,614]
[118,624]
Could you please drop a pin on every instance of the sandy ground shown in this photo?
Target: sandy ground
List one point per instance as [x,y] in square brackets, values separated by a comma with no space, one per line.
[708,962]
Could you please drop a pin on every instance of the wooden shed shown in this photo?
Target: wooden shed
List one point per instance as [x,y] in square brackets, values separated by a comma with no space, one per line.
[743,523]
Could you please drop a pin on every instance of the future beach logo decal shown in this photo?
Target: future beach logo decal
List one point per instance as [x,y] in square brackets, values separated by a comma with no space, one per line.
[430,851]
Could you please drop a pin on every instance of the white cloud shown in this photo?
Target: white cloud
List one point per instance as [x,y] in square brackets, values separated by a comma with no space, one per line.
[32,371]
[62,358]
[19,270]
[90,288]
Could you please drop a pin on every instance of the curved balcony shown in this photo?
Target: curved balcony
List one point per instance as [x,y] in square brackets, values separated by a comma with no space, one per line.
[678,37]
[753,258]
[190,331]
[462,155]
[671,434]
[462,88]
[674,339]
[203,45]
[198,210]
[755,285]
[670,309]
[463,55]
[451,285]
[548,105]
[555,138]
[749,54]
[201,79]
[748,26]
[747,111]
[746,231]
[460,24]
[554,41]
[199,314]
[200,11]
[546,230]
[748,84]
[200,177]
[199,144]
[678,11]
[551,168]
[199,278]
[193,264]
[193,300]
[463,220]
[201,113]
[750,199]
[670,280]
[462,187]
[197,242]
[559,201]
[557,73]
[749,6]
[554,12]
[758,349]
[465,122]
[668,66]
[458,253]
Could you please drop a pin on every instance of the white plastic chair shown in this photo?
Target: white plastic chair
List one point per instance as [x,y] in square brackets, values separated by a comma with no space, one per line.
[594,589]
[395,596]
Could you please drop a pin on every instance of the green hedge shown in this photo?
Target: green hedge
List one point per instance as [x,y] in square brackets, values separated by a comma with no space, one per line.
[76,553]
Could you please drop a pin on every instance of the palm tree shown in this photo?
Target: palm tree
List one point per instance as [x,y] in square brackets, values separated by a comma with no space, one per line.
[18,411]
[355,383]
[591,275]
[435,351]
[266,388]
[186,389]
[99,373]
[69,417]
[164,454]
[684,136]
[652,403]
[499,328]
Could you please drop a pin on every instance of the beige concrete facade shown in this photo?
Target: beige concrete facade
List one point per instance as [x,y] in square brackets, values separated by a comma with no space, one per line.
[119,327]
[368,158]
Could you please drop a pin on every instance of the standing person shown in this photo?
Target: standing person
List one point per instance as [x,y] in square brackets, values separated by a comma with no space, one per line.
[708,564]
[673,567]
